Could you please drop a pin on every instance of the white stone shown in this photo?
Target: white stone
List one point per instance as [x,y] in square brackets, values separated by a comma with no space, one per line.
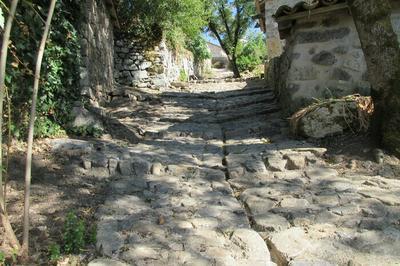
[291,242]
[295,161]
[106,262]
[253,246]
[156,169]
[276,163]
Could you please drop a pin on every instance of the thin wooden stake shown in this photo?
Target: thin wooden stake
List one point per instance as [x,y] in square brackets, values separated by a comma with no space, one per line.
[3,63]
[28,169]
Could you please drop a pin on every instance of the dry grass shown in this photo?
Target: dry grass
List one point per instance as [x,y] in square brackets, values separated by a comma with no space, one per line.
[364,110]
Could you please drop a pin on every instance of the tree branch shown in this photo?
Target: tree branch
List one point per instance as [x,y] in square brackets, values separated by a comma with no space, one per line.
[213,29]
[221,11]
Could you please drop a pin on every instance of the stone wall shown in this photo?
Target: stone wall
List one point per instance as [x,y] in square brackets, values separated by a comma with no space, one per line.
[158,66]
[203,68]
[97,49]
[322,59]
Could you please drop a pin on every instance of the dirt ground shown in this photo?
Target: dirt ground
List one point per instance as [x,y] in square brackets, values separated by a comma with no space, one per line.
[360,153]
[56,191]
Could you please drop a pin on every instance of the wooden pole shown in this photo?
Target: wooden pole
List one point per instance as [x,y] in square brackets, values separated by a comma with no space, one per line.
[28,169]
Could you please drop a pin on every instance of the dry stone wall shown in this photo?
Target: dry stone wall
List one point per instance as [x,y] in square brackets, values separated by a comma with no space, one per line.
[158,66]
[109,60]
[97,51]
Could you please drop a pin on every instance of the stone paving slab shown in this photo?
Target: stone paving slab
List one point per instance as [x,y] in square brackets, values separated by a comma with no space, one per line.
[309,214]
[215,180]
[170,203]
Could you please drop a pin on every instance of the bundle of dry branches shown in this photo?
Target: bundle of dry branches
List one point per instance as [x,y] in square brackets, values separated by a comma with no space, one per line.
[364,109]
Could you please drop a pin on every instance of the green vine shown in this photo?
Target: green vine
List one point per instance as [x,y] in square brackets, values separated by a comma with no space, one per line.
[59,87]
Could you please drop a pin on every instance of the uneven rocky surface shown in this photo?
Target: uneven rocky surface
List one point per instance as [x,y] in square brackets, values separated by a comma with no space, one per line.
[213,179]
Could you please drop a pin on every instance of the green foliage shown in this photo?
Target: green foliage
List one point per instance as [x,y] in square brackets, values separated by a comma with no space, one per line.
[54,252]
[91,237]
[150,19]
[183,76]
[2,258]
[88,131]
[45,127]
[251,53]
[74,234]
[228,22]
[198,46]
[60,72]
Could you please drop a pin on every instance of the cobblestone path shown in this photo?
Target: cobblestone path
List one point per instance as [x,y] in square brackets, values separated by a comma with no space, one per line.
[214,180]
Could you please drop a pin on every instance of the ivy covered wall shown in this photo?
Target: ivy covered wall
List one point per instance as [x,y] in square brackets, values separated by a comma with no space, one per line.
[77,67]
[59,86]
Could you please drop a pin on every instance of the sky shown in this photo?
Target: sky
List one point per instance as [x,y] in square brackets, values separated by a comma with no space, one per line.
[1,19]
[211,39]
[252,30]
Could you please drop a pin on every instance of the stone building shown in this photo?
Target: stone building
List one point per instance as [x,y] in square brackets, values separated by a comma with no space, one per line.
[314,50]
[219,59]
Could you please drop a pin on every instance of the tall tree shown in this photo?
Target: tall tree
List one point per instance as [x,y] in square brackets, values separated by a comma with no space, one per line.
[154,19]
[25,243]
[228,22]
[382,53]
[3,60]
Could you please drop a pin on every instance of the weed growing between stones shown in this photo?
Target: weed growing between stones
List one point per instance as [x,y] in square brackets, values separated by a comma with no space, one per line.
[85,131]
[76,235]
[2,258]
[54,252]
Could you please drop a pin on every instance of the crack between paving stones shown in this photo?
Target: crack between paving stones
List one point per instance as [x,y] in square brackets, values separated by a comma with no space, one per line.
[276,255]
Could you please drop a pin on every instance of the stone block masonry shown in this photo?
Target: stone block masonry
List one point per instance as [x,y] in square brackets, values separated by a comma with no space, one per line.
[108,60]
[323,59]
[97,51]
[157,66]
[322,56]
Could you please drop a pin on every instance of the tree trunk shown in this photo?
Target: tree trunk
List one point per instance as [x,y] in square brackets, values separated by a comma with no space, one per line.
[3,63]
[9,232]
[28,169]
[382,53]
[235,69]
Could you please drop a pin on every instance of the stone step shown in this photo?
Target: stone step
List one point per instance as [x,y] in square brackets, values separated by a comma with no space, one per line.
[217,95]
[218,104]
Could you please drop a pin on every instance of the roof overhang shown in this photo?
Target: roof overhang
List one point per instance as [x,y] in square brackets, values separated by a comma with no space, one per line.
[301,9]
[285,12]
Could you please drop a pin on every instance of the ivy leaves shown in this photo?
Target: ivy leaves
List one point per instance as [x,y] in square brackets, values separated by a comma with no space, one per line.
[59,78]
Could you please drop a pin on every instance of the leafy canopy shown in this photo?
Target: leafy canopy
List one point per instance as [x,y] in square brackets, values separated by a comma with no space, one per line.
[229,21]
[252,52]
[198,46]
[150,19]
